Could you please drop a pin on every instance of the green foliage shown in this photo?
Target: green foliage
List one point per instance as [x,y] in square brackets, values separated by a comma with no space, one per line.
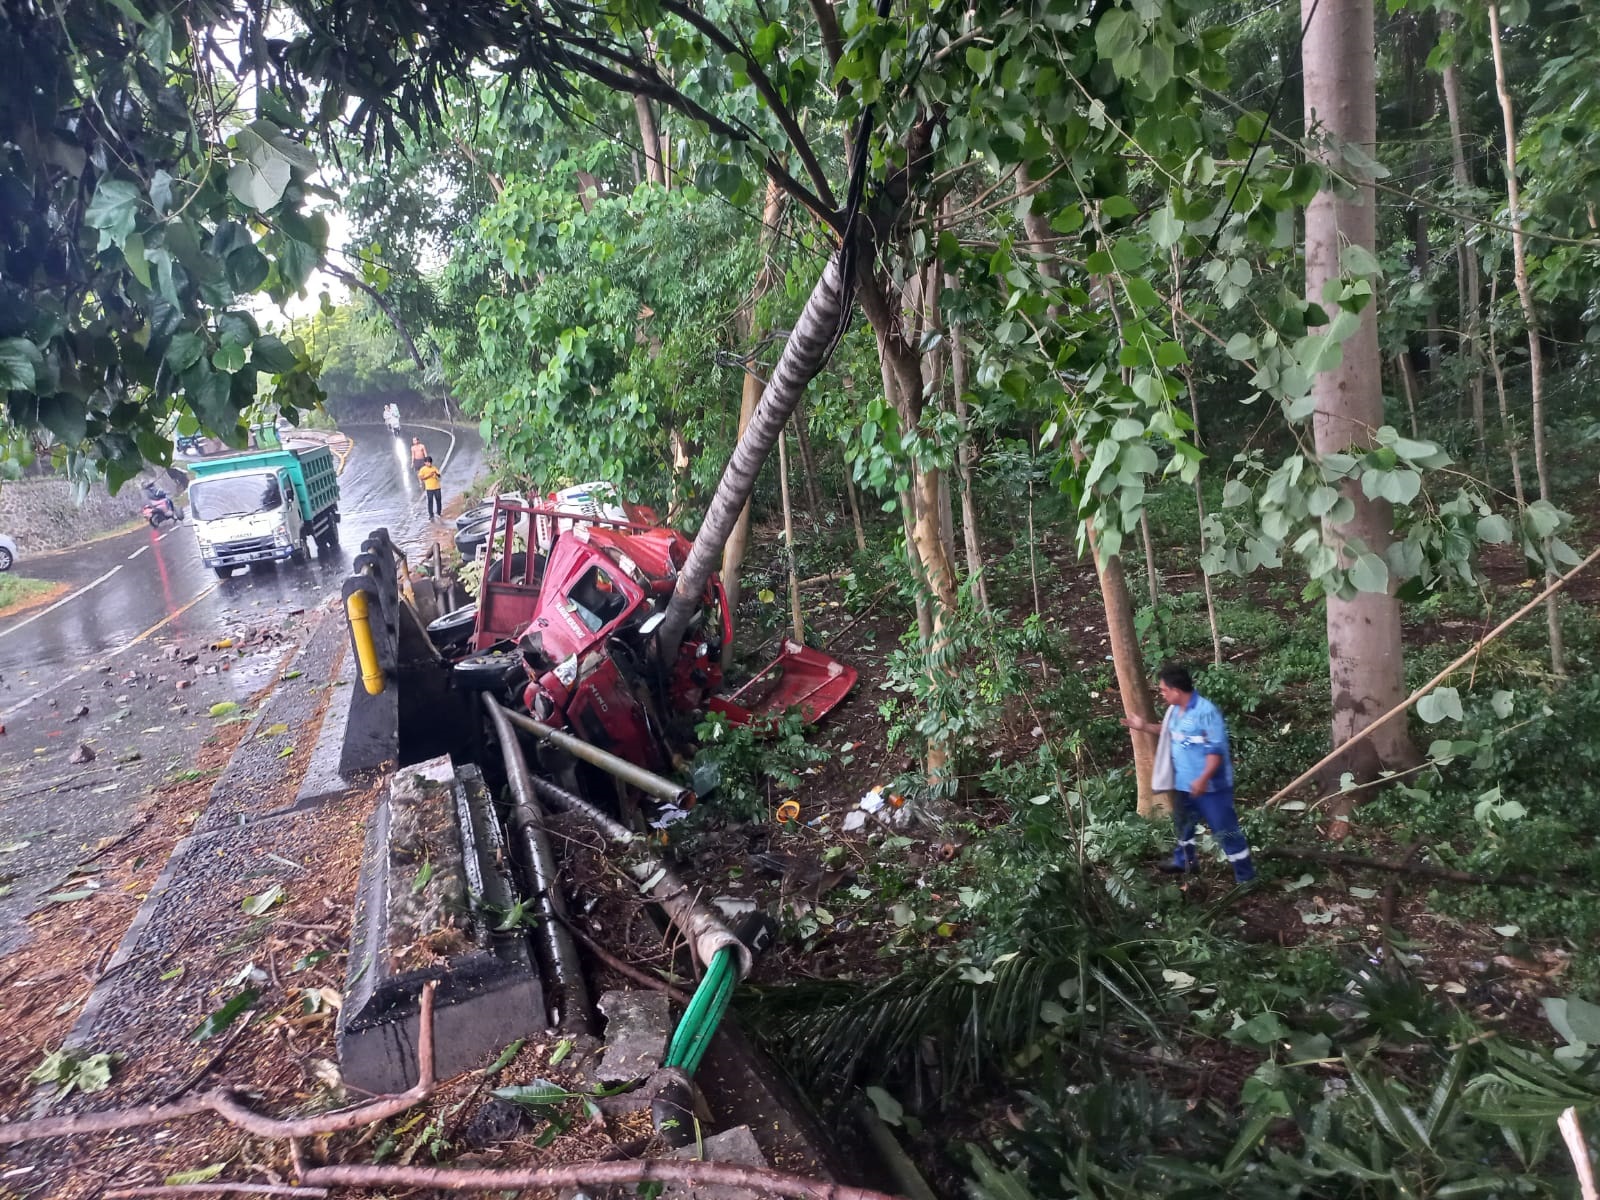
[1498,756]
[748,763]
[1478,1121]
[596,352]
[133,241]
[68,1069]
[980,678]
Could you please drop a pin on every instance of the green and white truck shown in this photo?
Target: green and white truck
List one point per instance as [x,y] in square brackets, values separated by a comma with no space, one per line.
[264,505]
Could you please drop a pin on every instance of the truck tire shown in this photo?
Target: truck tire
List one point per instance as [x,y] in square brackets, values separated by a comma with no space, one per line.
[489,671]
[454,628]
[475,514]
[223,572]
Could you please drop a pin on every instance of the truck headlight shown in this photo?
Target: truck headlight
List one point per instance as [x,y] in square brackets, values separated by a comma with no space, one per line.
[281,535]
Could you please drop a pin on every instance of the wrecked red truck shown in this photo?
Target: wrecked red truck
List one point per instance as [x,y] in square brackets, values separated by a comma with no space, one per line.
[569,623]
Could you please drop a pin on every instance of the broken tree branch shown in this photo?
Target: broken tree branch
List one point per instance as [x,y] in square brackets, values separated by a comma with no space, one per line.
[223,1103]
[212,1189]
[594,1174]
[350,279]
[1288,789]
[1334,858]
[626,970]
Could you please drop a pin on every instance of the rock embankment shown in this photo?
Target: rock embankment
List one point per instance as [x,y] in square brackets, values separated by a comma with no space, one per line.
[42,514]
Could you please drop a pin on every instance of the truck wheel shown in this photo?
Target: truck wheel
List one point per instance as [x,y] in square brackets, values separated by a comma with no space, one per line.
[454,628]
[489,671]
[297,553]
[223,572]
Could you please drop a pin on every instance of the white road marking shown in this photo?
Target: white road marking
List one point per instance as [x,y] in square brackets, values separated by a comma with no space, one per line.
[449,434]
[138,552]
[64,600]
[109,655]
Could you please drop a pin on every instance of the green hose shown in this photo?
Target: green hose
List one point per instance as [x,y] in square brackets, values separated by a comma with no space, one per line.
[706,1009]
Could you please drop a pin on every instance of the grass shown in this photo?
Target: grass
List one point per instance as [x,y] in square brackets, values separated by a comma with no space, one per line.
[17,592]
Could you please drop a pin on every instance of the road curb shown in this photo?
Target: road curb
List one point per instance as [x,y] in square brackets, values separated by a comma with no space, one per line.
[322,780]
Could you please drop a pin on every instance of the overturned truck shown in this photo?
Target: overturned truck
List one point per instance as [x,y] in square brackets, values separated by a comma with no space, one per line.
[548,703]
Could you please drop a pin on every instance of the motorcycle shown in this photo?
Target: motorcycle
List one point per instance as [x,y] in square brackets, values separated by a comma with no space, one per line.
[391,418]
[160,508]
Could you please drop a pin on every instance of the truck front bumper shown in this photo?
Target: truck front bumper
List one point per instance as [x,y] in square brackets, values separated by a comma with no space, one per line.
[246,551]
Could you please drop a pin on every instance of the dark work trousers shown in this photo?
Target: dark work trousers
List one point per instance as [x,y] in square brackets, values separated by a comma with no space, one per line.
[435,502]
[1215,808]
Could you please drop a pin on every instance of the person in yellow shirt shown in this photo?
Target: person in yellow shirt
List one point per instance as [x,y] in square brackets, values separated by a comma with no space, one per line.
[431,488]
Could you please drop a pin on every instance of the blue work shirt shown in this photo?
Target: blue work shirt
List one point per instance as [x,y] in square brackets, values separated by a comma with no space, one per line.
[1197,732]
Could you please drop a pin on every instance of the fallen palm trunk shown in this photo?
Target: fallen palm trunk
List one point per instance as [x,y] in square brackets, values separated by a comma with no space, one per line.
[1333,858]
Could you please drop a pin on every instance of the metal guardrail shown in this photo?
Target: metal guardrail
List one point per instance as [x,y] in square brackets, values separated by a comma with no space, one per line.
[371,596]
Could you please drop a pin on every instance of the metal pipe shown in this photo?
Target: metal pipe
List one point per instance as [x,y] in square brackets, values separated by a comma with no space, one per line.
[698,922]
[573,1006]
[647,782]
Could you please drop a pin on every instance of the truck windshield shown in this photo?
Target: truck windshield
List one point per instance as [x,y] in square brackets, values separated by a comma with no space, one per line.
[234,496]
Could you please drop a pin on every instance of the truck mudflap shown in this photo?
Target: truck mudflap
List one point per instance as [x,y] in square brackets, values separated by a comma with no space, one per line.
[799,677]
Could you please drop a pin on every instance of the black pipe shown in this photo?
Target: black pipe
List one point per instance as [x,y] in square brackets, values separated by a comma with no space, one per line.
[572,1007]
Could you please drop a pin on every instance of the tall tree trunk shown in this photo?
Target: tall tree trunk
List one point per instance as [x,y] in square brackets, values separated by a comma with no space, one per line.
[1126,655]
[966,460]
[1508,432]
[903,384]
[1366,665]
[750,395]
[855,508]
[1033,542]
[1530,316]
[804,354]
[1128,660]
[650,141]
[901,369]
[1152,576]
[802,436]
[938,358]
[1471,288]
[1408,386]
[1199,492]
[797,618]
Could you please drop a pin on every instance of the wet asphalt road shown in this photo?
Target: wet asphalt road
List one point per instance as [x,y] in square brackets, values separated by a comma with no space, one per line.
[131,644]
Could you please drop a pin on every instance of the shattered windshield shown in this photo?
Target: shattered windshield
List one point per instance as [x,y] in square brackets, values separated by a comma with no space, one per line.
[235,496]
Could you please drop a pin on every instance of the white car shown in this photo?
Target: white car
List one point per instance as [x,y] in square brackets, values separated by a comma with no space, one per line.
[8,552]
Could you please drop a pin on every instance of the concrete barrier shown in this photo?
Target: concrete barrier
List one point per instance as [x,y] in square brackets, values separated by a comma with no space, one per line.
[434,889]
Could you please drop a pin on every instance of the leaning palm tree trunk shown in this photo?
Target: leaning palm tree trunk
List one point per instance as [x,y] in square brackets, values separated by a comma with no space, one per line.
[804,354]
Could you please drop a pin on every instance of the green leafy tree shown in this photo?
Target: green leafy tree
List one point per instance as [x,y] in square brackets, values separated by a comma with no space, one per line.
[142,205]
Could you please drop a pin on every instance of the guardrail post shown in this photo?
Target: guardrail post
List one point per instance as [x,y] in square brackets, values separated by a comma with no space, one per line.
[372,608]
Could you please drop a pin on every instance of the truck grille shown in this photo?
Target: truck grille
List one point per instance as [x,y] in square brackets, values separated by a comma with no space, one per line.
[258,545]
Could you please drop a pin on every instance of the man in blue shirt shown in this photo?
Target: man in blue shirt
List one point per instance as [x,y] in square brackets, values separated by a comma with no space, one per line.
[1202,773]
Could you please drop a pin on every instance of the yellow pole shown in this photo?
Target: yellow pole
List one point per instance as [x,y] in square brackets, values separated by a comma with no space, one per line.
[355,607]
